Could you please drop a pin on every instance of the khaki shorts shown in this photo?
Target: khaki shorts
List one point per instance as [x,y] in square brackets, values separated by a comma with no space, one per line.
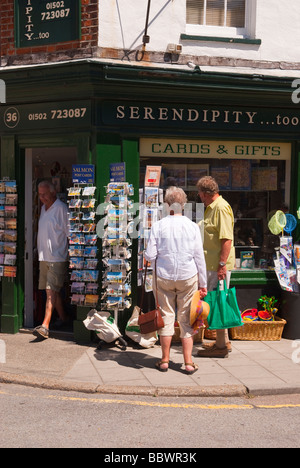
[176,296]
[52,275]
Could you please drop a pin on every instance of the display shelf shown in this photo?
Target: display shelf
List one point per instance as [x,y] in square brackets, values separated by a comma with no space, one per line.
[83,250]
[8,229]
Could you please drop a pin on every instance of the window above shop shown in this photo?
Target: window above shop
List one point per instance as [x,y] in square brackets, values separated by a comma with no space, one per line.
[224,13]
[214,19]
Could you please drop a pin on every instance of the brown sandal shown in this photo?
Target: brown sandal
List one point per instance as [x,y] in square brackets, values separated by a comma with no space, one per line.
[158,366]
[195,368]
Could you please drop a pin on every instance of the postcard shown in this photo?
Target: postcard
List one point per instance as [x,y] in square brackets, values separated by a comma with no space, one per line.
[88,191]
[78,299]
[74,191]
[152,176]
[76,263]
[78,287]
[90,251]
[151,197]
[91,300]
[10,259]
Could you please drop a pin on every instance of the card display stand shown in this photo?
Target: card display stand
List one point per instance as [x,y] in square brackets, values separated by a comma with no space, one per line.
[8,228]
[83,250]
[151,209]
[116,249]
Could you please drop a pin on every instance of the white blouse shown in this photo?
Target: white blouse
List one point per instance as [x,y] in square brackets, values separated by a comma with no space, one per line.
[175,242]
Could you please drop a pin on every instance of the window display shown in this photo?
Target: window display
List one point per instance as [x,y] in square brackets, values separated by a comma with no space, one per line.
[255,188]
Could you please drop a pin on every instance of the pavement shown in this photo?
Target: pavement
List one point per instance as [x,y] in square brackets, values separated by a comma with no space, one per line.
[253,368]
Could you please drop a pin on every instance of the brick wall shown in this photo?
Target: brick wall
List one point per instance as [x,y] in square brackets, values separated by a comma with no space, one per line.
[10,55]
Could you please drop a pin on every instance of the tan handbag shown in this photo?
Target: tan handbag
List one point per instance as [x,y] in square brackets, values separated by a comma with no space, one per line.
[150,321]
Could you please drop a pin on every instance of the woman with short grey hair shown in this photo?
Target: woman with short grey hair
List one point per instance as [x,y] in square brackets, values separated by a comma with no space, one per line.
[175,249]
[176,198]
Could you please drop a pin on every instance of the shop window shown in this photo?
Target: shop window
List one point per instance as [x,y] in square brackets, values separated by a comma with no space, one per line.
[255,189]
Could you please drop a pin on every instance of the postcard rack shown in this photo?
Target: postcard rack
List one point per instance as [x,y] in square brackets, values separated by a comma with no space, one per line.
[116,249]
[151,210]
[8,229]
[83,250]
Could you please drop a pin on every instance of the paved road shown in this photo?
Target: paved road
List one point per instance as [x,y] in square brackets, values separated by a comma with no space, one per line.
[32,417]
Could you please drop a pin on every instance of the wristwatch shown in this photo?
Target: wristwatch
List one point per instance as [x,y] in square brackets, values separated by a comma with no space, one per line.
[222,264]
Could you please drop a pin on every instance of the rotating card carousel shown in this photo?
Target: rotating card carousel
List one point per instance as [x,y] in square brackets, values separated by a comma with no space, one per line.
[116,252]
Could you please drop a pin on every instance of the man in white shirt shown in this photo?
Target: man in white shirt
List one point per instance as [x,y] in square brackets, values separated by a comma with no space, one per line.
[52,245]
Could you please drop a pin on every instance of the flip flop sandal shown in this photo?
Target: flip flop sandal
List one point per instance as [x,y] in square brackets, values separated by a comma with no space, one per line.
[158,366]
[41,331]
[195,368]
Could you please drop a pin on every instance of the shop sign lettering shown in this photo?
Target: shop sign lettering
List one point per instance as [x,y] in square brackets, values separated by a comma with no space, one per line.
[213,149]
[239,150]
[46,22]
[83,173]
[200,117]
[188,115]
[117,172]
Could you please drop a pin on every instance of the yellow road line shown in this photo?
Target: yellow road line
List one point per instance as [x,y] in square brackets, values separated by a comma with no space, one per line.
[288,405]
[156,404]
[152,404]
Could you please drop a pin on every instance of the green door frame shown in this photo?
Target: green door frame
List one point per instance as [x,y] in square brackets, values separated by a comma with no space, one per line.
[13,166]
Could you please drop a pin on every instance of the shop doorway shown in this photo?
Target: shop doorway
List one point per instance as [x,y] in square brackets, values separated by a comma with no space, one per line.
[55,165]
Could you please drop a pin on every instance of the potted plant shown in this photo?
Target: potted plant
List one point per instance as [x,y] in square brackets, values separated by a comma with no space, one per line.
[269,310]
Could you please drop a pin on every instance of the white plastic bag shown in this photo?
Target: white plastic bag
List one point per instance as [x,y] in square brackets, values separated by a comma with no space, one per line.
[133,331]
[103,324]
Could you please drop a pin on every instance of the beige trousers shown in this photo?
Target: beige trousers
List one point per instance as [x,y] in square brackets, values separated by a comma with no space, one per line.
[175,297]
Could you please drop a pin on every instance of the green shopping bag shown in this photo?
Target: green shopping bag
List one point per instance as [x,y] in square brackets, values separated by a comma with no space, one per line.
[224,309]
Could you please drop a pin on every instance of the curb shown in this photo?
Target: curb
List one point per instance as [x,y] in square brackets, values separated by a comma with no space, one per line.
[56,384]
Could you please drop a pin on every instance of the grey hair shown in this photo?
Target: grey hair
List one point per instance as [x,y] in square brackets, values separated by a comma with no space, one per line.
[176,198]
[46,183]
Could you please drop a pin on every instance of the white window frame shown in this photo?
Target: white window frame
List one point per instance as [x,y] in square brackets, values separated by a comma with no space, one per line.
[222,31]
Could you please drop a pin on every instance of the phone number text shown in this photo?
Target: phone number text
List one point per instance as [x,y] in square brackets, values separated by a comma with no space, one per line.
[56,114]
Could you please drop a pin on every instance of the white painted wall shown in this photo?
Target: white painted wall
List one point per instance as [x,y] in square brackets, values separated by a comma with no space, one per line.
[122,24]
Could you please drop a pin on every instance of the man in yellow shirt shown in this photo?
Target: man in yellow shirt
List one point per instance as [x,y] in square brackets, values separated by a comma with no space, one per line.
[218,225]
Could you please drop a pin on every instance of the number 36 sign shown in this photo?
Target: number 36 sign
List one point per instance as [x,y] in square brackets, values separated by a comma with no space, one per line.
[45,115]
[41,22]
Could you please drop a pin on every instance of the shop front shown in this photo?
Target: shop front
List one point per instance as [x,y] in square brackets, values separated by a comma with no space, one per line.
[250,146]
[244,135]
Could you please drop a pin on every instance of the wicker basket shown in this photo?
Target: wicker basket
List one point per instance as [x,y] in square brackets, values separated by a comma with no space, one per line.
[259,331]
[197,338]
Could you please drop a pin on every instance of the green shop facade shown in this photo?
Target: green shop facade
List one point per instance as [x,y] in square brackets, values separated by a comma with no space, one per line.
[244,130]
